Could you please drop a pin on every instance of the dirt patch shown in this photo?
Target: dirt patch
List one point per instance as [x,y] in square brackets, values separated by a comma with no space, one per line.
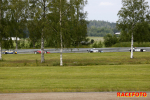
[69,96]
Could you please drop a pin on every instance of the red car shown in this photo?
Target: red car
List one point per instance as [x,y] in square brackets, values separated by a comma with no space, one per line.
[39,52]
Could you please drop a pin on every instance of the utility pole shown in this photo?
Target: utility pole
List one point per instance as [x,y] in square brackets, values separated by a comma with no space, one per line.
[61,62]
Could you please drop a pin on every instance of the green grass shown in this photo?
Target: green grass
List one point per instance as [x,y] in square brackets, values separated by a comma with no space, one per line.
[97,39]
[75,79]
[83,72]
[76,59]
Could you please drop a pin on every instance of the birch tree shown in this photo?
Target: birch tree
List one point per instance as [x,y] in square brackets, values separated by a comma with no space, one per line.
[66,23]
[55,21]
[133,16]
[38,11]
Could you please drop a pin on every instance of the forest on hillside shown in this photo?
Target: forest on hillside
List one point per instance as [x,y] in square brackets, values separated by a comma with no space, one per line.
[95,28]
[100,28]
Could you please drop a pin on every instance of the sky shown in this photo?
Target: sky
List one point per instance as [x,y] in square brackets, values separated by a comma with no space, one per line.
[105,10]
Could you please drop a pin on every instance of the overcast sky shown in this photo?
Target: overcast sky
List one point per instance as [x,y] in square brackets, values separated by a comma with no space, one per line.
[104,9]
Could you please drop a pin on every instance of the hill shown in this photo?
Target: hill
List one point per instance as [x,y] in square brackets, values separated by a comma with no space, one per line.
[100,28]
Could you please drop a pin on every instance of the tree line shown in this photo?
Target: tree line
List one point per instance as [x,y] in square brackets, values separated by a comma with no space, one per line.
[134,23]
[59,22]
[101,28]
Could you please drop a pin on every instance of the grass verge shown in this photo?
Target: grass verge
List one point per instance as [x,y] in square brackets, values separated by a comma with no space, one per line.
[76,59]
[75,79]
[82,72]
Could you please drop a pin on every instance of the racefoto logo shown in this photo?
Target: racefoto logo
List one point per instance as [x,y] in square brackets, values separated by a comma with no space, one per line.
[131,94]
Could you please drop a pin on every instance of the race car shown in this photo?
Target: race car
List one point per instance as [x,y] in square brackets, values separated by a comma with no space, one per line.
[137,50]
[94,50]
[10,52]
[39,52]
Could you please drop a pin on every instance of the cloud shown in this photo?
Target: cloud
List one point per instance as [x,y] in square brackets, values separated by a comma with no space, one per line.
[106,4]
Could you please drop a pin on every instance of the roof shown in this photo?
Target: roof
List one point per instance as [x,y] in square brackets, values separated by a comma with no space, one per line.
[117,33]
[13,38]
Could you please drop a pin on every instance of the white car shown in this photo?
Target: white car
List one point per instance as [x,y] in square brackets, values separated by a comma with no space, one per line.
[138,50]
[94,50]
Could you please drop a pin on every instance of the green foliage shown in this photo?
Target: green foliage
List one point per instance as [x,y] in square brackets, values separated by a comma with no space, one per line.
[23,44]
[93,31]
[142,32]
[109,40]
[8,44]
[17,17]
[100,28]
[124,37]
[73,24]
[36,45]
[128,44]
[97,45]
[134,18]
[97,23]
[35,32]
[92,41]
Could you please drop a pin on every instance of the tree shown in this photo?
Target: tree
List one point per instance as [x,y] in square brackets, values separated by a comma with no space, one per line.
[33,22]
[37,15]
[78,23]
[34,30]
[56,21]
[133,17]
[109,40]
[67,23]
[18,18]
[3,22]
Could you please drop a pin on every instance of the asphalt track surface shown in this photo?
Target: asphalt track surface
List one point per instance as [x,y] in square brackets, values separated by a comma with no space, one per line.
[69,96]
[79,50]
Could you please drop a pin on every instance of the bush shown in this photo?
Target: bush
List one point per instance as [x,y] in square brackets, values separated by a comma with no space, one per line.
[8,44]
[97,45]
[135,44]
[110,40]
[92,41]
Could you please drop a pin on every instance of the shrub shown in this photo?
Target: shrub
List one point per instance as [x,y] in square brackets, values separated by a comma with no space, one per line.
[110,40]
[135,44]
[97,45]
[92,41]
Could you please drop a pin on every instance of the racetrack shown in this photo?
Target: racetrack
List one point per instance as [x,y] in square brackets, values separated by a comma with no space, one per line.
[79,50]
[69,96]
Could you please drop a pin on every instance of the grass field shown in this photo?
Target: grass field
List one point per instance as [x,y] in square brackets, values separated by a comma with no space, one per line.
[85,72]
[76,59]
[75,79]
[97,39]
